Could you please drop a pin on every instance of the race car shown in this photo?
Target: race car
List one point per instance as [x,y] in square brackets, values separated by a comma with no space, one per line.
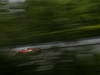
[29,50]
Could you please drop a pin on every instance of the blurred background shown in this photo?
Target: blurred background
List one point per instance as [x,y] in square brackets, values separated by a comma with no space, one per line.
[32,21]
[75,23]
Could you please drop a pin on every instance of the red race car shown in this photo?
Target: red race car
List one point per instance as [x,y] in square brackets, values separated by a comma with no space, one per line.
[28,50]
